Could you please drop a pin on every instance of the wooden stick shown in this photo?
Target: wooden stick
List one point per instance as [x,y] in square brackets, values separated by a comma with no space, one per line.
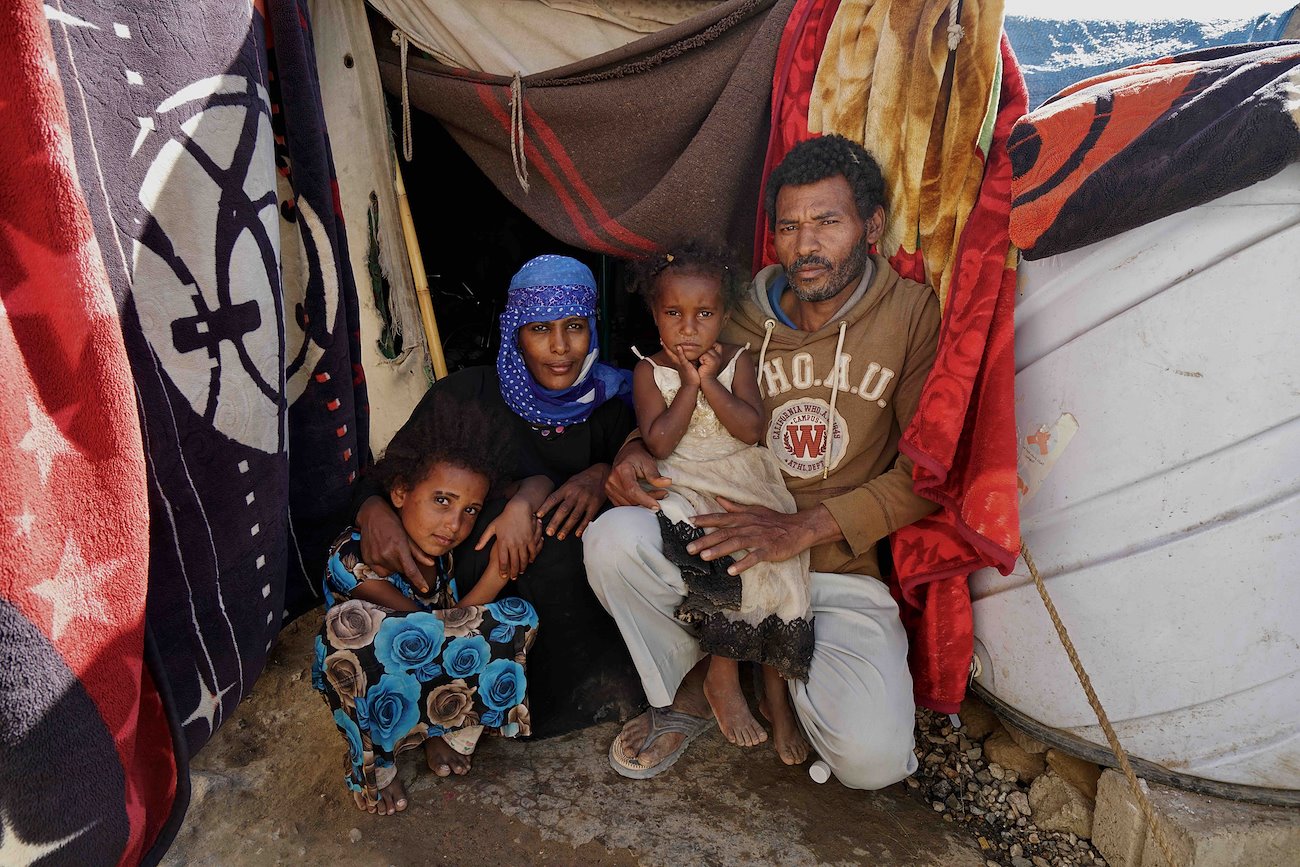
[432,340]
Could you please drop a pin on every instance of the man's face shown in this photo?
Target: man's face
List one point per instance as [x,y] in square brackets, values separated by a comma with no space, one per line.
[821,239]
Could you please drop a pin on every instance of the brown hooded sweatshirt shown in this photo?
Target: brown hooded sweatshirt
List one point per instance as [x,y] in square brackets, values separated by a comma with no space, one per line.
[889,328]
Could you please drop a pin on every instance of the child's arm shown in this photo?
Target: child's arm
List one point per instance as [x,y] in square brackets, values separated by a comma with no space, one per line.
[662,426]
[488,586]
[383,593]
[741,409]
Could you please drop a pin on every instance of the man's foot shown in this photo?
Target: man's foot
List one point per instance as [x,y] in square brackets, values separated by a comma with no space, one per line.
[689,700]
[722,689]
[443,760]
[787,739]
[392,800]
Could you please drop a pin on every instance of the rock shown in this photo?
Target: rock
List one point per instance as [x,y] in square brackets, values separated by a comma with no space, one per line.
[1021,862]
[1033,746]
[1078,773]
[1040,861]
[1000,748]
[1016,850]
[1059,806]
[977,721]
[1019,802]
[355,835]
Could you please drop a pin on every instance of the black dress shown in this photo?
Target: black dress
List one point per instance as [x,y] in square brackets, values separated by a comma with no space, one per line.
[579,671]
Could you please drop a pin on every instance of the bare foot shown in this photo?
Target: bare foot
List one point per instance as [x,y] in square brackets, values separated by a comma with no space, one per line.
[787,739]
[443,760]
[689,699]
[722,689]
[392,800]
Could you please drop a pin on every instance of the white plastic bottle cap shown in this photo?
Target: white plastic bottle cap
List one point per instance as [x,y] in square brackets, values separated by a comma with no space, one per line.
[819,771]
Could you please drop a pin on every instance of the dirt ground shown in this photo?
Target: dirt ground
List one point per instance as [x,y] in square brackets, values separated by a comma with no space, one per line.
[268,790]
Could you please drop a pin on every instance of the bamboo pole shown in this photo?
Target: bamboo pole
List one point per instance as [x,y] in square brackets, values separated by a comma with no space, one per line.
[432,340]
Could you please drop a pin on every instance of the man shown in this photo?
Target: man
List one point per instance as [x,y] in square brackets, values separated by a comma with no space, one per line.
[846,345]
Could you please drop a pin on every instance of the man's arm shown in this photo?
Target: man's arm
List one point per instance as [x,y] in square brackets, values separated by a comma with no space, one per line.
[861,517]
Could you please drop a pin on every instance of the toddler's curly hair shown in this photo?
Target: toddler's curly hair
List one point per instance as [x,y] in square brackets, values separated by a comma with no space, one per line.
[825,157]
[689,257]
[463,433]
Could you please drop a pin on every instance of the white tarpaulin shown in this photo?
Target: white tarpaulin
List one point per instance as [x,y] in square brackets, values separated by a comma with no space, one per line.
[527,36]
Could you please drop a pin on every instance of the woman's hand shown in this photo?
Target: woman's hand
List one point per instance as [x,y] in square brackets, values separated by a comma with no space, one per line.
[711,362]
[518,538]
[386,548]
[576,502]
[632,464]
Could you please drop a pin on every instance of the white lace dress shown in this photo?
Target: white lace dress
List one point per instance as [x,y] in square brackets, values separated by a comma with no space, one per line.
[762,615]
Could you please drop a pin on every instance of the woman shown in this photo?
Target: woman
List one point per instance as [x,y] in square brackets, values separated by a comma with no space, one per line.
[567,421]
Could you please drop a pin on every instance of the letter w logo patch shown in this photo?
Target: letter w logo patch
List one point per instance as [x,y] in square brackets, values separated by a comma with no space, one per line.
[806,440]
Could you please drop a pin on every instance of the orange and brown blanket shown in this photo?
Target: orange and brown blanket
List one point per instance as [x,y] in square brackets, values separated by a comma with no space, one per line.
[1182,130]
[934,99]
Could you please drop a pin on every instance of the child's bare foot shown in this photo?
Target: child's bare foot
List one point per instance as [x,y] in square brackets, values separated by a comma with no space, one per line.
[787,740]
[392,800]
[722,689]
[443,760]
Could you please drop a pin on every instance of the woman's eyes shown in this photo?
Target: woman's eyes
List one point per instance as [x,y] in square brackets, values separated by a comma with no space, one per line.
[705,314]
[472,510]
[442,501]
[577,326]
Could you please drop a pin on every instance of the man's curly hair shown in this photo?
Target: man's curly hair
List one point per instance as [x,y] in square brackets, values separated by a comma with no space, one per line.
[455,431]
[820,158]
[696,258]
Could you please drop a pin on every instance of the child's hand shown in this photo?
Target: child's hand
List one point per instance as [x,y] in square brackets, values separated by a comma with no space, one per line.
[688,372]
[711,362]
[517,541]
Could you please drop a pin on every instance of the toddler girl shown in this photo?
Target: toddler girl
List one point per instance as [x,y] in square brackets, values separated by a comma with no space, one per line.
[400,669]
[700,414]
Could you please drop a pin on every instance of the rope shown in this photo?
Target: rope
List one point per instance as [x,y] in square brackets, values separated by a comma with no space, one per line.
[403,43]
[1148,812]
[955,30]
[517,155]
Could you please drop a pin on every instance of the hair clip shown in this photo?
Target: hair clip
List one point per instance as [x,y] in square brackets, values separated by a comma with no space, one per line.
[668,257]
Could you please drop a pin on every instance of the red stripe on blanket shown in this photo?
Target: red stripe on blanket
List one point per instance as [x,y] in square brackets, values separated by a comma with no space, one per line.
[490,97]
[534,122]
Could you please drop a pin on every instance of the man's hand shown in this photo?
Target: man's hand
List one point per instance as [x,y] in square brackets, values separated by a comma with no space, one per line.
[576,502]
[518,537]
[769,536]
[633,464]
[386,548]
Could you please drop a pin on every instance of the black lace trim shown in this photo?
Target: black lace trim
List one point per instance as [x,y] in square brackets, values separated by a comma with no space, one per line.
[709,587]
[787,647]
[710,591]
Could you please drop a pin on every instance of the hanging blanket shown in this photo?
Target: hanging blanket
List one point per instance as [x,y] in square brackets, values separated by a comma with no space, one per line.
[627,151]
[200,143]
[1182,131]
[934,118]
[87,769]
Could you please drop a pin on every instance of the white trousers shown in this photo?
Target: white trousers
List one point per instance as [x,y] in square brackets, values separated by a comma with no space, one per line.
[856,707]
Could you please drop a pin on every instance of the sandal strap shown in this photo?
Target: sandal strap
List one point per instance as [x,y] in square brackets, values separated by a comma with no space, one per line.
[665,721]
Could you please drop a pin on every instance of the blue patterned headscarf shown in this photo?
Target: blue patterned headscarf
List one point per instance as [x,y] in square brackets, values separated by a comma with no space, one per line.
[545,289]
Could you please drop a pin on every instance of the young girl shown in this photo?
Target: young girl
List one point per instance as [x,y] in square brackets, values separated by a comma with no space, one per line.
[699,411]
[399,669]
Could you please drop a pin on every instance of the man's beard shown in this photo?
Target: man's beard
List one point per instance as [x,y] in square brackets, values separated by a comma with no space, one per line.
[838,277]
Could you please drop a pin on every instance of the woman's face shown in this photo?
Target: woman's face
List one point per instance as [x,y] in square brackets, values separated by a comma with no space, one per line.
[554,351]
[440,511]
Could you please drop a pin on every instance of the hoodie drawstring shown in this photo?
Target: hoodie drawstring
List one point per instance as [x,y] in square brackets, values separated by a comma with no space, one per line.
[768,326]
[835,392]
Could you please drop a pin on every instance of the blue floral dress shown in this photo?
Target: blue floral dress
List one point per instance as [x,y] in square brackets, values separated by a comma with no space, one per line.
[392,679]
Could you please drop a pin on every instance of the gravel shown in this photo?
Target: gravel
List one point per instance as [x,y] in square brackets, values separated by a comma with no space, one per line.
[953,778]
